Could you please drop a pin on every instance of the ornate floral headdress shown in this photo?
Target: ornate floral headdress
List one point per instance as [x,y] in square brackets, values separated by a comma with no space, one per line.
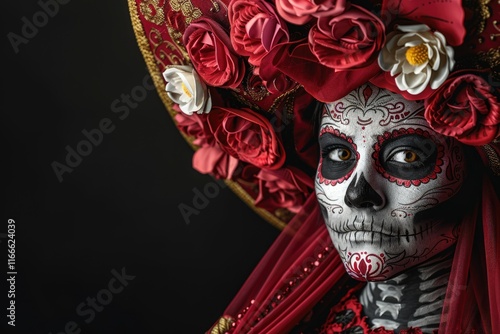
[242,78]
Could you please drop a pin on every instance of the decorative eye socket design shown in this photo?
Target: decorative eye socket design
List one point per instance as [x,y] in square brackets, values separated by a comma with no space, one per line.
[338,156]
[408,156]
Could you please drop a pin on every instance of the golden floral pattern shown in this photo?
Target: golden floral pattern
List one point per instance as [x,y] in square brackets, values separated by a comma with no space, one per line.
[152,11]
[189,11]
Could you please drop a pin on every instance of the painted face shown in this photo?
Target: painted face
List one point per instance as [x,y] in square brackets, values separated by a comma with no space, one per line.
[386,183]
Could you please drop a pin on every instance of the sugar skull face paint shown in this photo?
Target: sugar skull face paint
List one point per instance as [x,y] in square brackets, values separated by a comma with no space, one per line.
[386,183]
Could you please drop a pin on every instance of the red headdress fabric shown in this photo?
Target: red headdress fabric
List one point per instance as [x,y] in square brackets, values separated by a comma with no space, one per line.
[296,272]
[473,296]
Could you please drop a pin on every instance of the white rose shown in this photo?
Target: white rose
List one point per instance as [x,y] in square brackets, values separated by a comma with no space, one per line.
[186,89]
[417,57]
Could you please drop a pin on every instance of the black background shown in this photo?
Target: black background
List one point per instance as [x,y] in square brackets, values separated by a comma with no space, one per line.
[119,207]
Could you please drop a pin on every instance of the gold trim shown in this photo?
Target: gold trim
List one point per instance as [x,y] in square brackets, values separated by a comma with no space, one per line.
[484,13]
[159,84]
[215,8]
[187,9]
[152,11]
[491,59]
[223,325]
[493,159]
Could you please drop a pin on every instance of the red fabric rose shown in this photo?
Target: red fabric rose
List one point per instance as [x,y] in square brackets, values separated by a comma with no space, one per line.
[283,188]
[301,11]
[319,79]
[272,78]
[214,161]
[212,54]
[447,17]
[195,126]
[276,82]
[247,136]
[255,28]
[350,40]
[465,107]
[209,158]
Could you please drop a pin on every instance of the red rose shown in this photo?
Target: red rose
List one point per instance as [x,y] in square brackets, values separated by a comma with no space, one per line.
[318,79]
[301,11]
[212,54]
[195,126]
[255,28]
[247,136]
[350,40]
[283,188]
[465,107]
[209,158]
[272,78]
[214,161]
[447,17]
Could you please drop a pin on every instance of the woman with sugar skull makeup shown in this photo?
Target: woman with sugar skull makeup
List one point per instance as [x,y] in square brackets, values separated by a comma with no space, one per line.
[392,192]
[368,131]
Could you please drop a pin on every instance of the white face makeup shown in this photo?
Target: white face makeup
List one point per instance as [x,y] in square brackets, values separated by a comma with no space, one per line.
[385,183]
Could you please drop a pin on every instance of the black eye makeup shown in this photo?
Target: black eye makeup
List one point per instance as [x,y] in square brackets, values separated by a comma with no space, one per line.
[408,157]
[338,156]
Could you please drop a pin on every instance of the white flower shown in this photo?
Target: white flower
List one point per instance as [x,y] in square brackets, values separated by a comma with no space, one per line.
[185,88]
[418,57]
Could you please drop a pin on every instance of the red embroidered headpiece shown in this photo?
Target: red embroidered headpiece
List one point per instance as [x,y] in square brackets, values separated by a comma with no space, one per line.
[241,78]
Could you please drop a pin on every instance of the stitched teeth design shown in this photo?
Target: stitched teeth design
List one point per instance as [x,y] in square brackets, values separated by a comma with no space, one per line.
[366,229]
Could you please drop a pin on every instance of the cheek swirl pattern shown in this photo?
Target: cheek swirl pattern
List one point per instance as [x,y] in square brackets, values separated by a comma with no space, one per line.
[365,266]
